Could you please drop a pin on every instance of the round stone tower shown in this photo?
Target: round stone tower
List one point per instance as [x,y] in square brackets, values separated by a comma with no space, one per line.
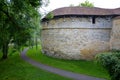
[77,32]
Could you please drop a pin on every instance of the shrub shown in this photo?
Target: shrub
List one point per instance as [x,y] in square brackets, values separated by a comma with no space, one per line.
[50,15]
[111,61]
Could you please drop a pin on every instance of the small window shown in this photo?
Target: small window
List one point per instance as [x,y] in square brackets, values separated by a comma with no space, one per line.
[93,20]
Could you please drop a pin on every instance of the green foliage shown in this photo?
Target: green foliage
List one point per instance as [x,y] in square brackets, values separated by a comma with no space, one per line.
[50,15]
[79,66]
[86,4]
[19,19]
[111,61]
[115,50]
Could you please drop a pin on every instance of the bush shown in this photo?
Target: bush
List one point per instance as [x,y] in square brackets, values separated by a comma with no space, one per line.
[111,61]
[50,15]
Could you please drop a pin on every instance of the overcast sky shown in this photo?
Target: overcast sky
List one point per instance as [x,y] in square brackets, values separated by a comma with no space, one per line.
[97,3]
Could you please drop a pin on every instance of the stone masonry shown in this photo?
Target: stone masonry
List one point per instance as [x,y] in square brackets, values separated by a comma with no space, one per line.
[115,34]
[76,38]
[81,34]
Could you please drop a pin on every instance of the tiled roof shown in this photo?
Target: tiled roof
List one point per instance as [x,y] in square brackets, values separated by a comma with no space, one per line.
[116,11]
[85,11]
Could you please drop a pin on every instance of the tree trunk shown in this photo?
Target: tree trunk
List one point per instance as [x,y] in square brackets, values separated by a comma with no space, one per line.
[5,51]
[36,43]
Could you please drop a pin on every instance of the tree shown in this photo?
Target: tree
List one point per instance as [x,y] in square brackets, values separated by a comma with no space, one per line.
[83,4]
[18,21]
[71,5]
[86,4]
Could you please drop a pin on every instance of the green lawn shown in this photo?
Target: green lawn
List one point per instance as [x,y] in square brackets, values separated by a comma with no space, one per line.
[14,68]
[79,66]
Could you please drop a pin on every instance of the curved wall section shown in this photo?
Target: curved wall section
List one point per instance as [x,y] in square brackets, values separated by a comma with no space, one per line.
[115,35]
[76,37]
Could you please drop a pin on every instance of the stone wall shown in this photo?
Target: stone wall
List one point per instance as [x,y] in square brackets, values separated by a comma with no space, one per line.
[78,22]
[76,38]
[115,35]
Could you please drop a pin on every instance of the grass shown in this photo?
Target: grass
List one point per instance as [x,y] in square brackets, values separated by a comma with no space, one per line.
[14,68]
[79,66]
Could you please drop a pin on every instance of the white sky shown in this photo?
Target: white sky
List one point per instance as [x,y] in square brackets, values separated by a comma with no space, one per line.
[97,3]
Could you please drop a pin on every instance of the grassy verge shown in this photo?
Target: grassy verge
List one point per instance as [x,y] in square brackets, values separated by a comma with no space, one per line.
[14,68]
[80,66]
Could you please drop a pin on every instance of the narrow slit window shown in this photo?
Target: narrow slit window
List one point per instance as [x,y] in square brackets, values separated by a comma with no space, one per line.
[93,20]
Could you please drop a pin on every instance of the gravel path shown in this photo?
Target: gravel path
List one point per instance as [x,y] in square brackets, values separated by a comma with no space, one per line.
[64,73]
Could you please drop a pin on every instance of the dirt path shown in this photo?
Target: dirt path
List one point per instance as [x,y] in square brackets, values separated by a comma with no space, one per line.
[64,73]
